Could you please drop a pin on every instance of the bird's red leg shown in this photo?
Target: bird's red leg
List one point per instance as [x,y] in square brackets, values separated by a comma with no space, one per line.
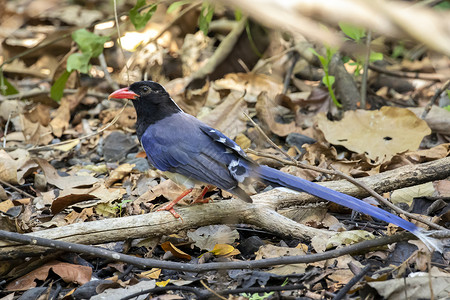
[200,198]
[171,204]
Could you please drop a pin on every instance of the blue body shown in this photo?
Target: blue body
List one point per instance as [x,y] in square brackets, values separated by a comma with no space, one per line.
[182,144]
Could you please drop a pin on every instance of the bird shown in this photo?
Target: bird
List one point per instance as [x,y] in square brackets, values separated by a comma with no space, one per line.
[190,152]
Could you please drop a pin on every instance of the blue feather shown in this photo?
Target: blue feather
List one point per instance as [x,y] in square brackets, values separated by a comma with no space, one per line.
[301,185]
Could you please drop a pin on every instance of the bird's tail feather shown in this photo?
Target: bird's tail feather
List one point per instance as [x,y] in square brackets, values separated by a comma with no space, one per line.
[301,185]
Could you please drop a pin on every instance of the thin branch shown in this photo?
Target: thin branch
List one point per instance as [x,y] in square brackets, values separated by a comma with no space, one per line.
[412,75]
[17,189]
[435,97]
[268,139]
[187,267]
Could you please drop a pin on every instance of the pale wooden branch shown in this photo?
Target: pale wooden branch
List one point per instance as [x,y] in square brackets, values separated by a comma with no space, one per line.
[262,213]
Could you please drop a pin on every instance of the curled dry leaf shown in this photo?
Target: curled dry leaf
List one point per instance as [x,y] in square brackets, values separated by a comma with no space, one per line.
[168,246]
[68,272]
[250,85]
[380,134]
[8,168]
[207,237]
[62,117]
[119,173]
[72,196]
[264,109]
[35,133]
[67,182]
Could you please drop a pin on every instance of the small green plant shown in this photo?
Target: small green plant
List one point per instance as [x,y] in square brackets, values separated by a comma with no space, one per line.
[328,80]
[120,205]
[140,20]
[6,88]
[90,45]
[256,296]
[357,34]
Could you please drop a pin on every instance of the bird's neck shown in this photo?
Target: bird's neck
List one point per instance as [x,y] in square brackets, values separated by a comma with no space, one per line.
[150,113]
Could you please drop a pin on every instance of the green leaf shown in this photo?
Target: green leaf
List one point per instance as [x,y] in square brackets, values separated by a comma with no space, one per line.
[79,62]
[328,82]
[353,32]
[205,17]
[238,14]
[89,42]
[447,107]
[139,21]
[57,89]
[177,4]
[374,56]
[6,88]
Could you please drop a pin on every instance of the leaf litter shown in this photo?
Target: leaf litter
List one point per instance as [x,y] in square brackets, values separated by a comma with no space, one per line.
[99,177]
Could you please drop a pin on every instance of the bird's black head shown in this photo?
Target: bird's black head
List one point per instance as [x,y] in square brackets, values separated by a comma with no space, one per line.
[151,101]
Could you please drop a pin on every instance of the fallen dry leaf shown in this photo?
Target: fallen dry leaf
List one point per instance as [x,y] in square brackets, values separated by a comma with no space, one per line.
[8,168]
[250,85]
[413,288]
[207,237]
[119,173]
[35,133]
[61,118]
[264,109]
[169,247]
[67,182]
[379,134]
[229,117]
[68,272]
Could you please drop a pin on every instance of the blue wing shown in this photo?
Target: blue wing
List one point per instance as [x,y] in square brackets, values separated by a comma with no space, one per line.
[182,144]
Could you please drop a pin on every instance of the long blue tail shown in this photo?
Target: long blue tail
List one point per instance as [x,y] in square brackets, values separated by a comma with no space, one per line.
[301,185]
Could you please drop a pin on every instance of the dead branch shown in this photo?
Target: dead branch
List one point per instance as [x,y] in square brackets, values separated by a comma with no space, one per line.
[261,213]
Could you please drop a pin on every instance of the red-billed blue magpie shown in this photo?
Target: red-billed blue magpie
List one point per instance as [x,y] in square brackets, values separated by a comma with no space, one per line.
[191,152]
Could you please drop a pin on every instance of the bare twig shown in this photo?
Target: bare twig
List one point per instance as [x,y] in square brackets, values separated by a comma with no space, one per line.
[113,121]
[38,92]
[176,19]
[343,292]
[104,66]
[412,75]
[433,100]
[6,130]
[268,139]
[17,189]
[186,267]
[365,71]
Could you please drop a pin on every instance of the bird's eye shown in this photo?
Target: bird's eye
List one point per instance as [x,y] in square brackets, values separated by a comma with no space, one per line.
[145,89]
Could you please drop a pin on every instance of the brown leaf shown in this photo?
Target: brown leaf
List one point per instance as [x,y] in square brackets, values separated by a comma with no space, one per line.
[39,114]
[229,117]
[118,174]
[61,118]
[72,196]
[63,182]
[168,246]
[251,85]
[68,272]
[264,109]
[35,133]
[379,134]
[8,168]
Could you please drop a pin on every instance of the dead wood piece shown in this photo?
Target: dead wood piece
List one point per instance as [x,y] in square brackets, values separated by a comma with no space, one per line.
[261,213]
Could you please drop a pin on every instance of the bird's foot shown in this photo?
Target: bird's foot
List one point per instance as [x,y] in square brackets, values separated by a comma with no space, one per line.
[171,204]
[200,198]
[169,208]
